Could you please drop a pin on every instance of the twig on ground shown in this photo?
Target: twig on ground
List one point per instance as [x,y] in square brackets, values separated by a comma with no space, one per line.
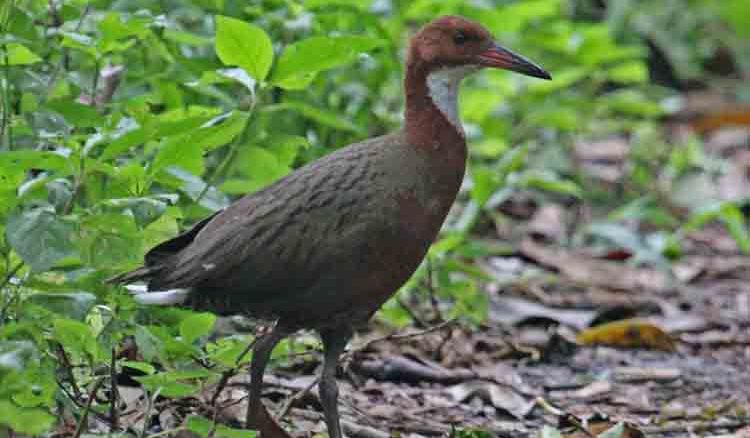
[298,395]
[397,337]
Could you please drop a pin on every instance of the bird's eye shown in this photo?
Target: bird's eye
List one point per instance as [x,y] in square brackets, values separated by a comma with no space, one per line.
[459,38]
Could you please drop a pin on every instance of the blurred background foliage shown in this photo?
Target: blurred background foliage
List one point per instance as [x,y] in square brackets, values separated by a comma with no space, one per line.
[124,122]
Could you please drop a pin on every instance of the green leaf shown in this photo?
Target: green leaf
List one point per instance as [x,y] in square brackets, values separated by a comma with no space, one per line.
[286,147]
[27,159]
[202,426]
[40,237]
[319,115]
[179,152]
[74,305]
[15,355]
[211,137]
[736,224]
[144,210]
[149,345]
[18,54]
[77,114]
[302,60]
[244,45]
[199,425]
[144,367]
[75,336]
[630,72]
[551,183]
[27,421]
[196,326]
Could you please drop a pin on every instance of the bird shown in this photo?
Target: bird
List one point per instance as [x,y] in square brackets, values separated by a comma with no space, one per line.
[325,246]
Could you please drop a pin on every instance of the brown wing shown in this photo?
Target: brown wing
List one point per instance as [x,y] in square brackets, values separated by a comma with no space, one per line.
[278,239]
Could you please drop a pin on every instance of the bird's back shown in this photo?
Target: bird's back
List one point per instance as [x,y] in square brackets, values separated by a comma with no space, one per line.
[342,233]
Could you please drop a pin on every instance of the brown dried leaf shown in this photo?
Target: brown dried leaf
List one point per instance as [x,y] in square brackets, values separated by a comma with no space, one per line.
[628,333]
[590,271]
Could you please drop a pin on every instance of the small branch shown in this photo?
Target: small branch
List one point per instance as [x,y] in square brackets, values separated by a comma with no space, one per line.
[398,337]
[437,314]
[115,395]
[226,375]
[5,129]
[87,408]
[297,396]
[147,414]
[62,356]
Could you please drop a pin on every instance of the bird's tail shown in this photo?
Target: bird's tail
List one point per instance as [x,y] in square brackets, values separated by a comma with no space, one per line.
[141,293]
[142,273]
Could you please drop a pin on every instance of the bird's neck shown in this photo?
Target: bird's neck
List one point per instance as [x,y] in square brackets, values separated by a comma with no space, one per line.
[431,115]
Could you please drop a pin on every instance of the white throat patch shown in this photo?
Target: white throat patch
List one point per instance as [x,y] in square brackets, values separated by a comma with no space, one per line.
[443,87]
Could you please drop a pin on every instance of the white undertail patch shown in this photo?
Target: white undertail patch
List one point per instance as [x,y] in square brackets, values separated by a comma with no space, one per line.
[443,87]
[157,298]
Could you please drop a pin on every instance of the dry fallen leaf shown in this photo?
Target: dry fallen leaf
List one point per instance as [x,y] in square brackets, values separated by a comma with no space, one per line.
[501,397]
[628,333]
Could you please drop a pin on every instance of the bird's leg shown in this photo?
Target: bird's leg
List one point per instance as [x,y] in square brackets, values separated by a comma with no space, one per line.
[334,343]
[256,413]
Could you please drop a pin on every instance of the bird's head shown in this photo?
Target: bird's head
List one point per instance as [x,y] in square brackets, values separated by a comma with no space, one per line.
[456,42]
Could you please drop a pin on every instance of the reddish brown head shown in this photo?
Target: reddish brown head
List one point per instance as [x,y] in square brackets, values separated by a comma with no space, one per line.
[455,41]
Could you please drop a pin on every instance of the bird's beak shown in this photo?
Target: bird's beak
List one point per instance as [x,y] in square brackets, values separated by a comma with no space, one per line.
[500,57]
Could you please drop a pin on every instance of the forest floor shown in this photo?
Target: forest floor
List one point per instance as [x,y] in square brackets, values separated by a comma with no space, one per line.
[675,362]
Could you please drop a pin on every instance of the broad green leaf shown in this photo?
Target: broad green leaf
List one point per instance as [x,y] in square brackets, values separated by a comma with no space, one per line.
[40,237]
[196,325]
[27,421]
[108,240]
[75,336]
[210,198]
[319,115]
[149,345]
[180,151]
[73,305]
[144,367]
[190,39]
[244,45]
[125,142]
[201,426]
[18,54]
[211,137]
[15,355]
[630,72]
[145,210]
[77,114]
[302,60]
[27,159]
[286,147]
[226,351]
